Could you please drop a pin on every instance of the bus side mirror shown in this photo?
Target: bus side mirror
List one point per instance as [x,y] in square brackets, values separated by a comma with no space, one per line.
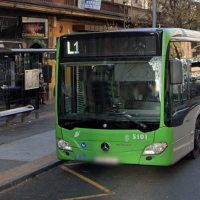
[176,72]
[193,80]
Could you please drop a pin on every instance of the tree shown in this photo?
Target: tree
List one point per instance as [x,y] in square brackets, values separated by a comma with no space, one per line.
[176,13]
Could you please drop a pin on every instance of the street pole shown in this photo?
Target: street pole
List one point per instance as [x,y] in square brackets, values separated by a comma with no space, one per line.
[131,11]
[154,14]
[124,15]
[124,2]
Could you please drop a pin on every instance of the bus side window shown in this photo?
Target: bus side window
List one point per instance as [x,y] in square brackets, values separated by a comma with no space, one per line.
[179,92]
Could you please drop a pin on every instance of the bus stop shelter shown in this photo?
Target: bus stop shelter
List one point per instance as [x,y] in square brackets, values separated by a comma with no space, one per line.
[19,76]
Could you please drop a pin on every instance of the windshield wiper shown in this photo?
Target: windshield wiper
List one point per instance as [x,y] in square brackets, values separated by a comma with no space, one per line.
[80,121]
[91,119]
[129,117]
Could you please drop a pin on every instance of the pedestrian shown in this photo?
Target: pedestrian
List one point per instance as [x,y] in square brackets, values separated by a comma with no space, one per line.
[41,89]
[54,91]
[152,93]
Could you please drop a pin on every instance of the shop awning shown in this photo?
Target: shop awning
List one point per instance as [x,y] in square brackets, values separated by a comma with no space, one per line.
[4,44]
[27,50]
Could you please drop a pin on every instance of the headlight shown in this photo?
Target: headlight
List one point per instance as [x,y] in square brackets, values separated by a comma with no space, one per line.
[156,148]
[63,145]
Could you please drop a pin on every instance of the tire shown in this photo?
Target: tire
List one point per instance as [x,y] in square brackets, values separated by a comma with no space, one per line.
[196,151]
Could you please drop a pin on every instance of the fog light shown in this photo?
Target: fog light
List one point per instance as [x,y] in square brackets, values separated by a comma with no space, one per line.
[63,145]
[155,149]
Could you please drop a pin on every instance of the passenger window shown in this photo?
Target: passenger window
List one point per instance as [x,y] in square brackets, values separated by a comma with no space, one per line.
[180,91]
[187,94]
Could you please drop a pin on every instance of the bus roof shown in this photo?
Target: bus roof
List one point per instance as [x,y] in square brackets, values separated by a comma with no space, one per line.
[173,32]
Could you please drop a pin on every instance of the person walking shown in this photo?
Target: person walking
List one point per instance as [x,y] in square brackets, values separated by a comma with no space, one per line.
[41,89]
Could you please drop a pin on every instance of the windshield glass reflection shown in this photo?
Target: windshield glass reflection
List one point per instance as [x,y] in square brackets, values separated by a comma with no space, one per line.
[111,91]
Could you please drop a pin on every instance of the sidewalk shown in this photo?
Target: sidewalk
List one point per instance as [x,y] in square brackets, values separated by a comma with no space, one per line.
[27,148]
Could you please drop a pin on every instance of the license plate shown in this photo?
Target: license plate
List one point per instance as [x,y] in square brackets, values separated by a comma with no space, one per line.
[106,160]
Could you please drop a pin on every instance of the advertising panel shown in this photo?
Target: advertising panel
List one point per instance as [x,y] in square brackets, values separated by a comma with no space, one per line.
[33,29]
[81,4]
[31,79]
[93,4]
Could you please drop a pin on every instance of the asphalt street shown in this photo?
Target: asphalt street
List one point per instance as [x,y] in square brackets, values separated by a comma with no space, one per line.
[73,180]
[27,149]
[87,181]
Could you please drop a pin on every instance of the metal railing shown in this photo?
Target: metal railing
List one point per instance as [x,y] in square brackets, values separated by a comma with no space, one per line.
[106,6]
[50,3]
[63,2]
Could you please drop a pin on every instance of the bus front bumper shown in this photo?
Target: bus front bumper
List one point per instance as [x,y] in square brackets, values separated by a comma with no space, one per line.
[130,157]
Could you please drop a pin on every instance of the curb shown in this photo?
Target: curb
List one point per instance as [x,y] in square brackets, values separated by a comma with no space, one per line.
[29,170]
[19,124]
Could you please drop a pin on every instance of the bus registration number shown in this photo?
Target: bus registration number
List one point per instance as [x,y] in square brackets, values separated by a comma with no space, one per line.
[140,136]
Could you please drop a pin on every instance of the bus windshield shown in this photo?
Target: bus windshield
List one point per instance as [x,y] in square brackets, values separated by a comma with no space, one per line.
[115,92]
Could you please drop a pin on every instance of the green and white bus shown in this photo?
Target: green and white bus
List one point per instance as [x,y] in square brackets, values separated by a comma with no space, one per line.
[129,96]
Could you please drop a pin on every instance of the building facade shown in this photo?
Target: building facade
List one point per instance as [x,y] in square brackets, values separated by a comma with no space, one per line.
[38,24]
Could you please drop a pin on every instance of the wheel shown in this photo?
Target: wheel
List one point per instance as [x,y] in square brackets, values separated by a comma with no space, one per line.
[196,150]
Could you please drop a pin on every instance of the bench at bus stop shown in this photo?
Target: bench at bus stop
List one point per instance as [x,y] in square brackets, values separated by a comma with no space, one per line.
[11,113]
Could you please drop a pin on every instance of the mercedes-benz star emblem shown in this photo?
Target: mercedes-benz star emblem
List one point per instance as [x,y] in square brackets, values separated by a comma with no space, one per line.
[105,146]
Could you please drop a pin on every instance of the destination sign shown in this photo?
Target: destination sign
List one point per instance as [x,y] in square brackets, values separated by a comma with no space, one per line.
[109,45]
